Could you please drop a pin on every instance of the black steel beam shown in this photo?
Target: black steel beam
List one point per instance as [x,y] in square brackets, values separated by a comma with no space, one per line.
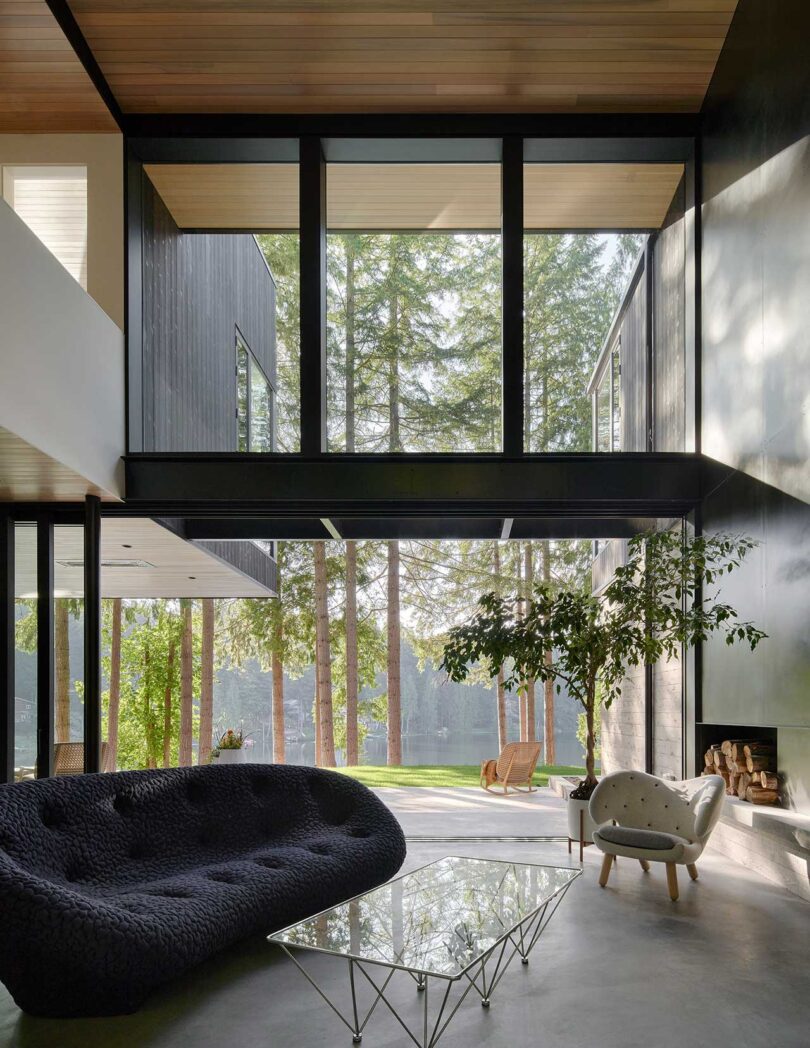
[92,634]
[512,407]
[393,527]
[45,650]
[60,9]
[338,486]
[312,246]
[7,689]
[415,125]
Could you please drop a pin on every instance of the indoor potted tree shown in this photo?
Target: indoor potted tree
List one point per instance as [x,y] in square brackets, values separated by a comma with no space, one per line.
[662,599]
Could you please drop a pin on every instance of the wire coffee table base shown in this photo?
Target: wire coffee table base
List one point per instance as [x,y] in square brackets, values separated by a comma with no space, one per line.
[439,1005]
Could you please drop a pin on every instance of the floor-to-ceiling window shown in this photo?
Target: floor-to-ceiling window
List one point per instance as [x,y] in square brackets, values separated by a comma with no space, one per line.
[413,307]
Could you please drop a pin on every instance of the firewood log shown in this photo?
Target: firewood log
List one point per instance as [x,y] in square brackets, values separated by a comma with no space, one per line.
[752,749]
[759,795]
[758,763]
[734,767]
[769,780]
[733,779]
[728,746]
[708,757]
[743,782]
[738,749]
[719,759]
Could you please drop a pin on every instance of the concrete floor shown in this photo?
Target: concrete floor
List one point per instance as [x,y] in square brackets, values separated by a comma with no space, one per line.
[618,968]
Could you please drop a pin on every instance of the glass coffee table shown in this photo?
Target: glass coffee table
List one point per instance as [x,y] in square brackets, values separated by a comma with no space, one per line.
[453,925]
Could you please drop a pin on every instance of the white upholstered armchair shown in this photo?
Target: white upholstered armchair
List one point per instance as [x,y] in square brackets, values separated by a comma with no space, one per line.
[657,820]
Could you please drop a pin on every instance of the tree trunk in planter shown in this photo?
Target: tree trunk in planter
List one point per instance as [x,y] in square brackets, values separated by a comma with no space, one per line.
[186,688]
[114,706]
[352,745]
[206,682]
[61,670]
[590,774]
[394,672]
[323,660]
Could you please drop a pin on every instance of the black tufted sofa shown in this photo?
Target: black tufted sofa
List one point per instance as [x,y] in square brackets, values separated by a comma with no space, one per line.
[113,884]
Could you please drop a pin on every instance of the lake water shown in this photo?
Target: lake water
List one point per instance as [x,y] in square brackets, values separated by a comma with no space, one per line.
[436,749]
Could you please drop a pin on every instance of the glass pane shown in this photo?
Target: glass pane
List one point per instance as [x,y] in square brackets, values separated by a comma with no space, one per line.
[25,651]
[414,307]
[281,253]
[603,413]
[617,398]
[198,287]
[573,284]
[261,420]
[439,919]
[241,397]
[68,620]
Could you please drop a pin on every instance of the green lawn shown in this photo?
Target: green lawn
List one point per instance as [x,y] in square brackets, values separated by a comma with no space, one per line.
[440,774]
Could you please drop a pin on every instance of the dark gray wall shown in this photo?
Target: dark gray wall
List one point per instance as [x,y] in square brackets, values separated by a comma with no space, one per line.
[197,289]
[756,365]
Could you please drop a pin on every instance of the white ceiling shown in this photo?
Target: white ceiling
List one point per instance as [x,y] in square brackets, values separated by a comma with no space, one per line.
[176,567]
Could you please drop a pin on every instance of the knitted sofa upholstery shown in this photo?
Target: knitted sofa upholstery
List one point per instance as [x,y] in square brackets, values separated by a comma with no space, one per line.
[113,884]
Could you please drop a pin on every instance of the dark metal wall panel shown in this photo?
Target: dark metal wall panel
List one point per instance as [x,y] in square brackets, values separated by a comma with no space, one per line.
[247,558]
[197,289]
[634,373]
[669,341]
[756,363]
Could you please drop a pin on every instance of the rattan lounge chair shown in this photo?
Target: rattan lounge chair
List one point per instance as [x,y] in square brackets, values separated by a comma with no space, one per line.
[513,769]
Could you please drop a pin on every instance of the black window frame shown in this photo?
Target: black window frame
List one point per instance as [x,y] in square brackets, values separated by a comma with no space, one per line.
[253,365]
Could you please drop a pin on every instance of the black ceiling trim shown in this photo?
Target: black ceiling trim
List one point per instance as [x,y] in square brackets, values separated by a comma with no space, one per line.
[60,10]
[414,125]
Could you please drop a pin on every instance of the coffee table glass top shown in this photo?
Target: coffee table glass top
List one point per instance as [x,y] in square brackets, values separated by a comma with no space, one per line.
[437,920]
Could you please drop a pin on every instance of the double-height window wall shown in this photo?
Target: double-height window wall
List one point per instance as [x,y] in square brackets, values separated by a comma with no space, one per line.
[409,287]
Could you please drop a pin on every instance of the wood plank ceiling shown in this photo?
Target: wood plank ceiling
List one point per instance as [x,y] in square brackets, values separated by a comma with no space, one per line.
[43,85]
[418,196]
[282,56]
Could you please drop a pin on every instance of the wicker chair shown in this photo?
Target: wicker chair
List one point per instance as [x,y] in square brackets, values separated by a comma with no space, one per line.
[68,758]
[513,769]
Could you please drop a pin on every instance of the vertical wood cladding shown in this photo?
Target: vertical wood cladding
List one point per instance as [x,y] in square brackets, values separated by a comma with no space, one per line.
[634,372]
[669,338]
[198,288]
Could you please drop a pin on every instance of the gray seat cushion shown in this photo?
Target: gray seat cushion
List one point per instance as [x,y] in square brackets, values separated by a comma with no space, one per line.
[648,840]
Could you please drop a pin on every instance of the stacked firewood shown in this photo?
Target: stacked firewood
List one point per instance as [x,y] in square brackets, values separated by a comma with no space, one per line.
[748,768]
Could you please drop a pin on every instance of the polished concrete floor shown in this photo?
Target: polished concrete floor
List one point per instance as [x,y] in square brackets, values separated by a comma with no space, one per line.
[617,968]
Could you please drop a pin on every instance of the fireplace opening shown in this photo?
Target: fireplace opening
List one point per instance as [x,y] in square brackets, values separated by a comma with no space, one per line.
[745,757]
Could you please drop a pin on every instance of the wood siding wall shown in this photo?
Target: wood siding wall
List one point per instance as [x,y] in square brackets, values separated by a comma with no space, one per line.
[634,372]
[669,340]
[198,288]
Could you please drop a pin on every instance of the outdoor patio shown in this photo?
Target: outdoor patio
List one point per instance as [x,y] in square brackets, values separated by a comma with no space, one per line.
[620,967]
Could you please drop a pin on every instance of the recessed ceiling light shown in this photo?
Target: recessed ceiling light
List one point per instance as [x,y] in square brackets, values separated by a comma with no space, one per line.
[115,563]
[192,576]
[126,545]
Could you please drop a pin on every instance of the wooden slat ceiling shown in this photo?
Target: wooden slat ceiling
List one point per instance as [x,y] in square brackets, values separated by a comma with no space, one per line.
[282,56]
[43,85]
[418,196]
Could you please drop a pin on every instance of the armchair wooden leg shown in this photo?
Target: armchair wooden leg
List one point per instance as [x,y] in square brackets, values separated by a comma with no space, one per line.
[644,865]
[672,881]
[692,870]
[607,862]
